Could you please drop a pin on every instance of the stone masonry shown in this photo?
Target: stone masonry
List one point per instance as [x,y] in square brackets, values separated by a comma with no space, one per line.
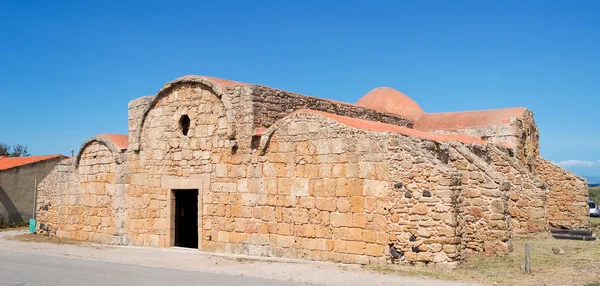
[286,175]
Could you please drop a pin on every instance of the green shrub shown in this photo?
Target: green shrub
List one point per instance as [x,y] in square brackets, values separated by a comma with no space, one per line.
[595,194]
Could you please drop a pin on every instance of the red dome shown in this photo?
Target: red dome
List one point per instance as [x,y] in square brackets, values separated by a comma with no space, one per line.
[389,100]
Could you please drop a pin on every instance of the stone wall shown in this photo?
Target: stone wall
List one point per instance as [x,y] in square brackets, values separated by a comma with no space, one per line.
[319,192]
[423,216]
[307,186]
[527,196]
[166,154]
[52,198]
[84,202]
[522,135]
[483,203]
[567,196]
[84,199]
[135,113]
[528,143]
[271,105]
[47,204]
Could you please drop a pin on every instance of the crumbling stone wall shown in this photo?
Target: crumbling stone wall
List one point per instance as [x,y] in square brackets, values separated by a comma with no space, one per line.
[521,135]
[135,113]
[271,105]
[47,206]
[566,198]
[527,196]
[483,203]
[528,141]
[423,209]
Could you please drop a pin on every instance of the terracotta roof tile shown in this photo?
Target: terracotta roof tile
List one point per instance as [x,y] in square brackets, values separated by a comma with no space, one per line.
[225,82]
[384,127]
[119,140]
[392,101]
[468,119]
[12,162]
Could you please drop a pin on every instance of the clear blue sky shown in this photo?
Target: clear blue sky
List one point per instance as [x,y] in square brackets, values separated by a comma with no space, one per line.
[69,68]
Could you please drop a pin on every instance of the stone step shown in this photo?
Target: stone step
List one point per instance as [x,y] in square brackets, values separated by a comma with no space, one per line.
[572,232]
[574,237]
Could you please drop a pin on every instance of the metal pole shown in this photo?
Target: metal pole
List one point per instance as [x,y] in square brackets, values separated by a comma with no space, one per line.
[35,199]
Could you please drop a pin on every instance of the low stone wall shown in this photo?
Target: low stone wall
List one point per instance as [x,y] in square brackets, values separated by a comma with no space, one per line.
[567,196]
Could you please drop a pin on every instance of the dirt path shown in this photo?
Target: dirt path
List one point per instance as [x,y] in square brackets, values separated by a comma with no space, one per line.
[291,270]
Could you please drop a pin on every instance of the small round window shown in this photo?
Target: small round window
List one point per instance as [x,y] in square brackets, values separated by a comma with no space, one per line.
[184,124]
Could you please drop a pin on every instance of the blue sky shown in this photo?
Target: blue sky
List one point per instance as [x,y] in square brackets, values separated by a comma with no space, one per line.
[69,68]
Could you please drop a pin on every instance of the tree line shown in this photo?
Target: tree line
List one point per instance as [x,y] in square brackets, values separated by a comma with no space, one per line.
[16,150]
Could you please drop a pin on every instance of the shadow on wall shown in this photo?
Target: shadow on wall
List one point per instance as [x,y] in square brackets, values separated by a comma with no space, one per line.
[13,213]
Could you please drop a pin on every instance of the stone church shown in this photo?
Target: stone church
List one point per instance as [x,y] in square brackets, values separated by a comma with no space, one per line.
[225,166]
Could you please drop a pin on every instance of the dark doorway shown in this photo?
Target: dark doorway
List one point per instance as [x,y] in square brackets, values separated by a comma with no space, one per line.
[186,218]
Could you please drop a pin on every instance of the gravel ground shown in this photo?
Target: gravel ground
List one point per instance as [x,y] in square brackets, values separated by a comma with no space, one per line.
[289,270]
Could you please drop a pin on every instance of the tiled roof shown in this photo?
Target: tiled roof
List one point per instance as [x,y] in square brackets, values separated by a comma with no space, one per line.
[392,101]
[469,119]
[384,127]
[12,162]
[119,140]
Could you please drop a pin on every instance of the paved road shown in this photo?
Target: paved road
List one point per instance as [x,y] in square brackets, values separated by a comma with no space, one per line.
[33,269]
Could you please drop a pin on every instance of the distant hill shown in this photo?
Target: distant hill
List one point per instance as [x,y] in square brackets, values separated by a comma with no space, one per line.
[593,180]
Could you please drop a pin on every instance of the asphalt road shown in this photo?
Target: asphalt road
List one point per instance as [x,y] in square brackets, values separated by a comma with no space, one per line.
[33,269]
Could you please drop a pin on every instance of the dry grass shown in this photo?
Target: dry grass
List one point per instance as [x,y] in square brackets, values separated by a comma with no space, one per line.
[579,266]
[30,237]
[246,260]
[5,225]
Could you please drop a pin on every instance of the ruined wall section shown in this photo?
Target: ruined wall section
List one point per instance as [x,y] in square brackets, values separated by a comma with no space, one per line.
[47,206]
[567,196]
[522,135]
[527,196]
[483,203]
[243,113]
[135,112]
[528,143]
[319,192]
[271,105]
[423,216]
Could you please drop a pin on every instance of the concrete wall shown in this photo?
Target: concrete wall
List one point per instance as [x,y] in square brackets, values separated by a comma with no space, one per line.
[17,187]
